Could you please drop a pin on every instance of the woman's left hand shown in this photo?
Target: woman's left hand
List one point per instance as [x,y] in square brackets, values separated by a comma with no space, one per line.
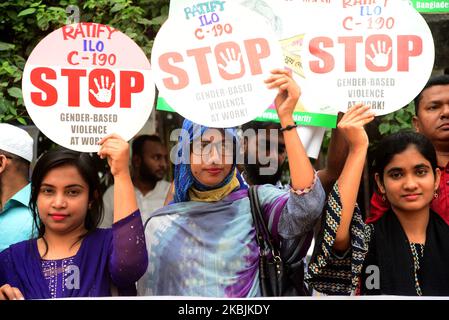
[352,124]
[116,150]
[289,92]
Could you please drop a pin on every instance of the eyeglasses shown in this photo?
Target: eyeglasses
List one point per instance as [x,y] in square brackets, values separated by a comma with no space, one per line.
[204,148]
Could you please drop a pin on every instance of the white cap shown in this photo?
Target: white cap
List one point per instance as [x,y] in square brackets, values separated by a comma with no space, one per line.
[16,141]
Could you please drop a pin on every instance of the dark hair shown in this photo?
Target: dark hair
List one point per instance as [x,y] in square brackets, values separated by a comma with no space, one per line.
[260,125]
[397,143]
[440,80]
[86,168]
[138,143]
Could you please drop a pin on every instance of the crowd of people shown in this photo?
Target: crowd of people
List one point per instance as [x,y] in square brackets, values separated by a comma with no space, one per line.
[60,236]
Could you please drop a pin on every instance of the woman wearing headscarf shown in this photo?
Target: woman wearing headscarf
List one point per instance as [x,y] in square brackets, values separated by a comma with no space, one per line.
[204,244]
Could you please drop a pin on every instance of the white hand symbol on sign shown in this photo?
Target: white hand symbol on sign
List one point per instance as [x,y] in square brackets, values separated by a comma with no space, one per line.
[231,62]
[380,55]
[104,91]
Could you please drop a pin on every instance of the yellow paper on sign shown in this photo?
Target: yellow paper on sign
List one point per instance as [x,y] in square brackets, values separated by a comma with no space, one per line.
[291,48]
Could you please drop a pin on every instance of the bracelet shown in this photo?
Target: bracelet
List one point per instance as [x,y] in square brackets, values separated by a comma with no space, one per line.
[308,189]
[289,127]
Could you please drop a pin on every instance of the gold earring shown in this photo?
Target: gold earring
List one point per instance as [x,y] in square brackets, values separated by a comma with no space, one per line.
[435,194]
[384,199]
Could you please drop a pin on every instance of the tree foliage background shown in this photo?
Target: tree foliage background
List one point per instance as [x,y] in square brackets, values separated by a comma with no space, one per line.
[23,23]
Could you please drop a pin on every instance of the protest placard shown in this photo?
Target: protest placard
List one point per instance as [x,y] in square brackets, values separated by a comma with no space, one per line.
[380,53]
[210,61]
[282,17]
[84,81]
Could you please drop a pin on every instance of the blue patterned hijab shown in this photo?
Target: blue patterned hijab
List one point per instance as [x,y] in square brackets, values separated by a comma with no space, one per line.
[184,178]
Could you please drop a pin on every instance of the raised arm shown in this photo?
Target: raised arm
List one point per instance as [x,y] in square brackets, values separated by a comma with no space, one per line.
[128,260]
[116,150]
[301,170]
[351,126]
[336,156]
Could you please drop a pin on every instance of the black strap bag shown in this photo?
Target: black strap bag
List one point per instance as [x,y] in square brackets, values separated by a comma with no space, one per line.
[277,277]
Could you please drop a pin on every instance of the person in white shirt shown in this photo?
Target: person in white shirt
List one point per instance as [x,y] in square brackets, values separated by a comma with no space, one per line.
[149,165]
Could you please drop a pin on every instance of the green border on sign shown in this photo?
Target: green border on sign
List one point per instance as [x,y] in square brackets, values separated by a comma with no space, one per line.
[163,105]
[431,6]
[301,118]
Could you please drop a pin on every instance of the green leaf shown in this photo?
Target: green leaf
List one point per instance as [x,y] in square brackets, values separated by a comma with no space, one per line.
[13,111]
[19,61]
[42,23]
[395,128]
[15,92]
[158,20]
[8,117]
[164,10]
[20,102]
[17,77]
[399,113]
[22,121]
[36,4]
[400,119]
[26,12]
[8,68]
[118,7]
[144,21]
[389,116]
[6,46]
[384,128]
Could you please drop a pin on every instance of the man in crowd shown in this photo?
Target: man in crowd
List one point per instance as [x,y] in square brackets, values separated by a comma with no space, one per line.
[149,166]
[263,166]
[266,166]
[16,154]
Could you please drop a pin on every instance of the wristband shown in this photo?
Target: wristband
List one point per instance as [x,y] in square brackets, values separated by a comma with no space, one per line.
[289,127]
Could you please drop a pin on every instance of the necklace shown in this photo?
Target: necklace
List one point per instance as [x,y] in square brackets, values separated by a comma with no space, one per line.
[416,258]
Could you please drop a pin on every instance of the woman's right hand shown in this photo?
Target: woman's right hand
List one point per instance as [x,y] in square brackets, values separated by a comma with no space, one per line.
[351,126]
[10,293]
[116,150]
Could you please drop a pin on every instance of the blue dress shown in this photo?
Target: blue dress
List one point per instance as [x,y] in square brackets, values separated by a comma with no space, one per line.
[210,250]
[106,257]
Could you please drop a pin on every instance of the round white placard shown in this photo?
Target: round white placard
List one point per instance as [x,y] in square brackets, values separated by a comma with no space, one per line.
[84,81]
[210,61]
[380,54]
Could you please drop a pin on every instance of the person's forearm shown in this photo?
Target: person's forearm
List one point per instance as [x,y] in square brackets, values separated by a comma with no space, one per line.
[348,186]
[125,201]
[301,170]
[336,156]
